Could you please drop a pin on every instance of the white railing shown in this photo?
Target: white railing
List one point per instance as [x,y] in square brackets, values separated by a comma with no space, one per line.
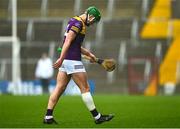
[3,70]
[145,9]
[134,32]
[110,8]
[44,8]
[122,57]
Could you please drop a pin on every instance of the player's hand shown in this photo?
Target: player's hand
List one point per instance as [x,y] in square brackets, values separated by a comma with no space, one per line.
[93,58]
[57,64]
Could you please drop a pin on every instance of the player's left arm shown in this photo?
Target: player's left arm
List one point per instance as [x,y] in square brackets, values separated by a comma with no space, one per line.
[86,52]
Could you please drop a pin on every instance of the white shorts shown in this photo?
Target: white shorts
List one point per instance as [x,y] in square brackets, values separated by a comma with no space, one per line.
[72,66]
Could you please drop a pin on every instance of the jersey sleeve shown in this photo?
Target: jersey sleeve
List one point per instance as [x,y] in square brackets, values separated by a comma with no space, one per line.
[76,27]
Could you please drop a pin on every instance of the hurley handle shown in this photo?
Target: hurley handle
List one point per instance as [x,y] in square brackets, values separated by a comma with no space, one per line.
[99,61]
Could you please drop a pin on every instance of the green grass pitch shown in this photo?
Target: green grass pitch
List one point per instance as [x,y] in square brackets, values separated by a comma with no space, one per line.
[130,111]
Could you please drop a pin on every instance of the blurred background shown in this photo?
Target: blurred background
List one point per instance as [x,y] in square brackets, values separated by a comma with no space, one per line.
[143,36]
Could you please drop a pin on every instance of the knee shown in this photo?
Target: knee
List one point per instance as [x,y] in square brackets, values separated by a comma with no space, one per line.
[85,89]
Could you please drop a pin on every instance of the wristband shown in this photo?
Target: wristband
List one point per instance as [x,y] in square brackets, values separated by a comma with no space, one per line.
[59,49]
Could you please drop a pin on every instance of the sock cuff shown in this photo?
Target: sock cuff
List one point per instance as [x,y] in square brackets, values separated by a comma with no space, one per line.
[97,117]
[48,117]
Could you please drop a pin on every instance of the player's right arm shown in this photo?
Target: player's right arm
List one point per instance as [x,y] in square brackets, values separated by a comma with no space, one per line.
[69,38]
[86,52]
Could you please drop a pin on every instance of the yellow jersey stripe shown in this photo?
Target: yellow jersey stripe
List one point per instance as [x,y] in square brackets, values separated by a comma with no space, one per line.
[76,29]
[83,31]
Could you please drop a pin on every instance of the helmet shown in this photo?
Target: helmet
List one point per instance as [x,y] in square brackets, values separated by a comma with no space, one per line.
[92,10]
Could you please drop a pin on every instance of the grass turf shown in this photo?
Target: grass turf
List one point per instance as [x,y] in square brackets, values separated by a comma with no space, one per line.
[130,111]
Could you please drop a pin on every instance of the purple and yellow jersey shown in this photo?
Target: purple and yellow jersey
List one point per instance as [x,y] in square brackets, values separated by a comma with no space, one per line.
[76,25]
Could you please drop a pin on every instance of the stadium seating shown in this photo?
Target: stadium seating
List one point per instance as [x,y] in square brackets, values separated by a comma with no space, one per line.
[22,30]
[29,8]
[117,29]
[91,33]
[5,28]
[4,8]
[60,8]
[47,31]
[30,53]
[128,8]
[101,4]
[5,50]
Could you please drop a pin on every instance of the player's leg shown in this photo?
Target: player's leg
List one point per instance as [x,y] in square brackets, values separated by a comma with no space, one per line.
[62,81]
[80,79]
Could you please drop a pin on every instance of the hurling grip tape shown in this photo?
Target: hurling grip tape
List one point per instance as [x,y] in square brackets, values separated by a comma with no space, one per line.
[99,61]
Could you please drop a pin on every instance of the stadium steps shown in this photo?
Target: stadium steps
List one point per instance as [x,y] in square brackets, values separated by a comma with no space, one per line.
[91,33]
[121,74]
[47,31]
[176,28]
[99,75]
[30,53]
[146,50]
[95,71]
[100,4]
[161,13]
[5,51]
[60,8]
[30,50]
[42,30]
[28,71]
[111,88]
[4,9]
[127,8]
[108,50]
[117,29]
[22,30]
[5,28]
[168,67]
[175,9]
[29,8]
